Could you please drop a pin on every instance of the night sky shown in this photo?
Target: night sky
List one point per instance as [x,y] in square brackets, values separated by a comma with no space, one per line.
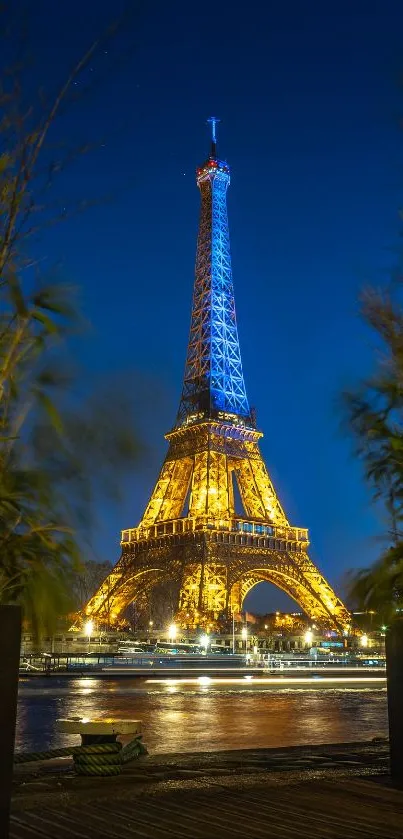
[308,94]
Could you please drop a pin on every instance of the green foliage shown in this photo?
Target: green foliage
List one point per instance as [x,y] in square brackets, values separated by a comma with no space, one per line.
[58,459]
[380,587]
[58,455]
[375,416]
[87,582]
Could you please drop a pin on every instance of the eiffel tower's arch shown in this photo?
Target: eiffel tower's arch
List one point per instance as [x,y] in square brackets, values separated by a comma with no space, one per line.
[298,589]
[118,592]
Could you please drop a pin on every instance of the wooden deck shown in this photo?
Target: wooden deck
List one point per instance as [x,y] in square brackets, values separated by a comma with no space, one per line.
[339,808]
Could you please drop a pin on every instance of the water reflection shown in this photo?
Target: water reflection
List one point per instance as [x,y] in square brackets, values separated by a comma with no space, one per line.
[204,714]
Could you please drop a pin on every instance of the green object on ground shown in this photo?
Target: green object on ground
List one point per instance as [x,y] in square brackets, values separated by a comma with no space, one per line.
[92,759]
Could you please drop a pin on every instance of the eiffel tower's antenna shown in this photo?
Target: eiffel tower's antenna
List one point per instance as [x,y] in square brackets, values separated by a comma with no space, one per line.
[213,122]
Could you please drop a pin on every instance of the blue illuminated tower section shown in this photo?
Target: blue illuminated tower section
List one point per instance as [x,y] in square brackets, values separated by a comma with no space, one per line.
[213,381]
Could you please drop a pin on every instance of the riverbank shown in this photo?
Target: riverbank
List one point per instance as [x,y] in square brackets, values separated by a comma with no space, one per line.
[327,791]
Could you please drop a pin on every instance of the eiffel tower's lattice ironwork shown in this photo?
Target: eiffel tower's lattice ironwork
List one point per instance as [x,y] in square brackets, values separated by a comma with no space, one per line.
[191,531]
[213,379]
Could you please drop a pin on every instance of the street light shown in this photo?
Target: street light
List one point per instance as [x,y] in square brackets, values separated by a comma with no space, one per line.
[204,642]
[244,634]
[88,629]
[172,632]
[308,636]
[364,640]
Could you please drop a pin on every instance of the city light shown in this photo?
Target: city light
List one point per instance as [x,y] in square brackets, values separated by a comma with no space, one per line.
[204,641]
[244,633]
[151,623]
[88,628]
[172,632]
[308,636]
[364,640]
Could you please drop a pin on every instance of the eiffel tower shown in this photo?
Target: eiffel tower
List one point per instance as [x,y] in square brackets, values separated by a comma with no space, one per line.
[191,531]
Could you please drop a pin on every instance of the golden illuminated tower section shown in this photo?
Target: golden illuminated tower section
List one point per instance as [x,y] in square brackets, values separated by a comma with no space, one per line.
[192,530]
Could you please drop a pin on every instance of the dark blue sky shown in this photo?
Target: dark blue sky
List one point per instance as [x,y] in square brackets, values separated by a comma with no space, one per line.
[308,94]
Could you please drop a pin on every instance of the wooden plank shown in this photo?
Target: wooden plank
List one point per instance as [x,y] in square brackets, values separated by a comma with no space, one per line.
[105,816]
[73,822]
[351,809]
[46,823]
[327,817]
[219,816]
[285,812]
[154,815]
[22,830]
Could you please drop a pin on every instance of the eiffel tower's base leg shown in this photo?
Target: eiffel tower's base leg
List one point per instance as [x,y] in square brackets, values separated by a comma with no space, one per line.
[204,595]
[235,599]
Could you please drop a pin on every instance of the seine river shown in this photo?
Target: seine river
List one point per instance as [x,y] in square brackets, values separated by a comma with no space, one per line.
[203,716]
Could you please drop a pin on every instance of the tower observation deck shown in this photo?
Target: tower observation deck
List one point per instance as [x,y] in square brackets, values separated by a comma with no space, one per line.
[191,531]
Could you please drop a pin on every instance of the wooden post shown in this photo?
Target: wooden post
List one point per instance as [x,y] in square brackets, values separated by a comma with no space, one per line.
[394,671]
[10,641]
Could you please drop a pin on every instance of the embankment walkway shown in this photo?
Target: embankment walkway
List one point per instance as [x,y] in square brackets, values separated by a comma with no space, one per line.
[326,792]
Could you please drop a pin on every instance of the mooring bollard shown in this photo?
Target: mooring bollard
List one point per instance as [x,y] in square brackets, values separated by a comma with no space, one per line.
[100,752]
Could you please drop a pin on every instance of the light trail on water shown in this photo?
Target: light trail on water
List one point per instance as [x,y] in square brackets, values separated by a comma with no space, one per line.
[273,681]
